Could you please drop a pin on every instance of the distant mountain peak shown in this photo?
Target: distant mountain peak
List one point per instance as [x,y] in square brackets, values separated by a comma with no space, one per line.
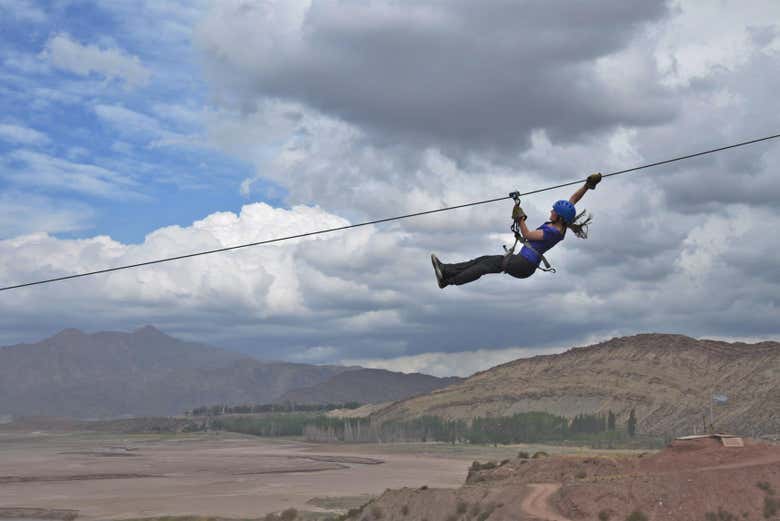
[69,333]
[149,330]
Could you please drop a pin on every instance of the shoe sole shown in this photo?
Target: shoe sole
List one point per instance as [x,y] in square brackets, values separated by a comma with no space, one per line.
[437,270]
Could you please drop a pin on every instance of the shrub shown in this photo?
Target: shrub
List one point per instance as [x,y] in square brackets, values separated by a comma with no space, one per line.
[487,512]
[475,509]
[766,487]
[424,487]
[462,507]
[540,454]
[722,515]
[271,517]
[581,475]
[484,515]
[405,510]
[288,515]
[523,455]
[376,511]
[477,466]
[603,515]
[503,462]
[636,515]
[452,517]
[771,506]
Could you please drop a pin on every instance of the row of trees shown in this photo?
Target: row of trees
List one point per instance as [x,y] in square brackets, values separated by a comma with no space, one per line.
[529,427]
[219,410]
[285,424]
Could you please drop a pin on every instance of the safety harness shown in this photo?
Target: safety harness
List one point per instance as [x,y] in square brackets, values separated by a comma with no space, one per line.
[520,239]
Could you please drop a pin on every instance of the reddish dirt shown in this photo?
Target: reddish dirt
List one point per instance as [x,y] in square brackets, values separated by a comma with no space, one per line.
[537,502]
[685,482]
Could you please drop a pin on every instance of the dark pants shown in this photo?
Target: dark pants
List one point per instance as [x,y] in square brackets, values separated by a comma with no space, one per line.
[469,271]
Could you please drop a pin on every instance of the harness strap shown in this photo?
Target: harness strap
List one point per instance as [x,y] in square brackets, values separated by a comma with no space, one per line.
[519,238]
[527,244]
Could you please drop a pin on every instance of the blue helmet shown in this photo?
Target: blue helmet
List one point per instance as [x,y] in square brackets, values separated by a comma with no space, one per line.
[565,210]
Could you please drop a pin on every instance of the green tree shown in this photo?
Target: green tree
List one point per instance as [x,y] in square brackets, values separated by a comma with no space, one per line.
[632,423]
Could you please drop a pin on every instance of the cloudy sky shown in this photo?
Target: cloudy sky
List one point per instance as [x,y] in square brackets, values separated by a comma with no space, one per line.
[135,130]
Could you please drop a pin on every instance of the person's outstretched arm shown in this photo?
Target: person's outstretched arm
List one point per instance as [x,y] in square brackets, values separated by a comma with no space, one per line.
[590,184]
[576,196]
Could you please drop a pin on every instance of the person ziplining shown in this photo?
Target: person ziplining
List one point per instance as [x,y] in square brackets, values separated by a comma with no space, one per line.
[536,243]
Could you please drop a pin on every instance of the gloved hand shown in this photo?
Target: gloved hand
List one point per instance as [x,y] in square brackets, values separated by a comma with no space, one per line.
[593,180]
[518,214]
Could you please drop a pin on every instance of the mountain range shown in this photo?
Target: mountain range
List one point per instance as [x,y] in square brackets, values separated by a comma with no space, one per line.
[675,384]
[146,372]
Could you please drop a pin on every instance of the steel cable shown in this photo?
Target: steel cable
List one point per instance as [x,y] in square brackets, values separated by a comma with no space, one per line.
[377,221]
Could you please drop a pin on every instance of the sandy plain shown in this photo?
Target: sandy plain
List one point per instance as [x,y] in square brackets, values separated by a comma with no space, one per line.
[215,474]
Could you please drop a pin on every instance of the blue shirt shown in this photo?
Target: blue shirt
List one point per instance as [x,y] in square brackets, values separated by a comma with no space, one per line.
[551,237]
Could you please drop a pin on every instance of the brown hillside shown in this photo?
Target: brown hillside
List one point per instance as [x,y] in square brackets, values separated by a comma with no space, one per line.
[668,379]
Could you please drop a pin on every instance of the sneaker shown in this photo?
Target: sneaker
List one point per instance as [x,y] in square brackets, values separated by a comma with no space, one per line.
[437,269]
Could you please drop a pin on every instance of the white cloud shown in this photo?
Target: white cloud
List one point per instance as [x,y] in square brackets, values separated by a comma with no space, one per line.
[129,122]
[139,126]
[34,169]
[67,54]
[315,354]
[22,135]
[24,213]
[251,284]
[25,63]
[183,115]
[463,363]
[705,38]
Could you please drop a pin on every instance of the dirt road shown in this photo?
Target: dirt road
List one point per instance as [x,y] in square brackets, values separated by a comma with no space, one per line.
[537,502]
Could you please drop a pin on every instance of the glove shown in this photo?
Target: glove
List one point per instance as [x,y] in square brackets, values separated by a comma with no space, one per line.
[593,180]
[518,214]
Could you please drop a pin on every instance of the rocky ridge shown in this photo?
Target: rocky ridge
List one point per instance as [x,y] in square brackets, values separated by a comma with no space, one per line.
[668,379]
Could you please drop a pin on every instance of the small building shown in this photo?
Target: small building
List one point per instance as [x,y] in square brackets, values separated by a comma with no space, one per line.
[727,440]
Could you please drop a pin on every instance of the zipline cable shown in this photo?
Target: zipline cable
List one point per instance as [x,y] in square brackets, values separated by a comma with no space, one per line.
[378,221]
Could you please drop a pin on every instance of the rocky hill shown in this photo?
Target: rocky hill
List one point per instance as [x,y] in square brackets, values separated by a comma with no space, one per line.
[368,386]
[668,379]
[146,372]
